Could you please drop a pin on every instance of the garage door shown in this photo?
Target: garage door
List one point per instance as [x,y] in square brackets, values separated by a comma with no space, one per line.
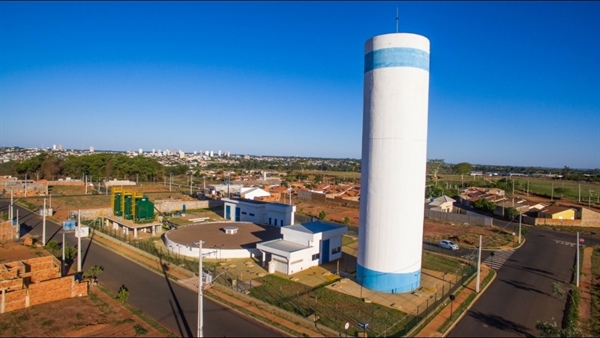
[281,264]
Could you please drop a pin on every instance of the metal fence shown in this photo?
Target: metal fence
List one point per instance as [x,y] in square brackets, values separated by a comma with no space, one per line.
[316,304]
[148,246]
[458,218]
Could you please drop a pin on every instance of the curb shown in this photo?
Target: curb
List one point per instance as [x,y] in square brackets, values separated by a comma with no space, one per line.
[470,305]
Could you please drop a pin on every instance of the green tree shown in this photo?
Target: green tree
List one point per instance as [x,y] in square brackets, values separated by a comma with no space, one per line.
[347,220]
[322,214]
[462,169]
[434,191]
[70,253]
[512,212]
[434,166]
[122,295]
[561,191]
[484,204]
[551,329]
[93,272]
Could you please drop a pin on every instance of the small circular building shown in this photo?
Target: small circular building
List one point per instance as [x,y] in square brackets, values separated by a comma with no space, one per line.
[224,239]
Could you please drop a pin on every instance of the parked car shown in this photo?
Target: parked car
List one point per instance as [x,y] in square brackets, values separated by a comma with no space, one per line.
[448,244]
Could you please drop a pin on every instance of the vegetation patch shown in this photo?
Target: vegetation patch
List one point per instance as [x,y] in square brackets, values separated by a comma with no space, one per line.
[332,309]
[595,293]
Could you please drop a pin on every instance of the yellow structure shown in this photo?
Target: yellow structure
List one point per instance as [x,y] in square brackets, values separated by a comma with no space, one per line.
[122,201]
[557,212]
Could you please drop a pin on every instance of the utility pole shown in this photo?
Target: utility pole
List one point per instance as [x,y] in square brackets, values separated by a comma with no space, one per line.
[589,198]
[577,284]
[527,188]
[478,266]
[200,295]
[44,224]
[579,193]
[79,241]
[62,269]
[12,212]
[85,183]
[191,182]
[170,181]
[520,215]
[552,193]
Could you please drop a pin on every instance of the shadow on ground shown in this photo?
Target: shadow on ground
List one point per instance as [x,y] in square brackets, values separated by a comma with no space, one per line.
[500,323]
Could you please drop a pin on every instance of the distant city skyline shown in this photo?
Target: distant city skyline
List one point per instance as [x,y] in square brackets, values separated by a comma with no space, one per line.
[512,83]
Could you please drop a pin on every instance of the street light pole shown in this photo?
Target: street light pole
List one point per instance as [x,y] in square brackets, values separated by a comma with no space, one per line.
[478,266]
[520,215]
[44,224]
[200,295]
[79,241]
[577,279]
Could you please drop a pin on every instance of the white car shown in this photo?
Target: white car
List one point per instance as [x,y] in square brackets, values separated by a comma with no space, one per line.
[448,244]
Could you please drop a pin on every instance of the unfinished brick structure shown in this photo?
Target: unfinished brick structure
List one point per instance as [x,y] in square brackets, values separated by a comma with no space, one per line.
[35,281]
[8,231]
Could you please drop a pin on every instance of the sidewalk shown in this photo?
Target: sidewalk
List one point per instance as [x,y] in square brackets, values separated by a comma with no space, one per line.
[585,288]
[431,330]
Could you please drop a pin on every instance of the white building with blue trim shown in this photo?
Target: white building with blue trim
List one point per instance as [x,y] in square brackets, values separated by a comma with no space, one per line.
[303,246]
[259,212]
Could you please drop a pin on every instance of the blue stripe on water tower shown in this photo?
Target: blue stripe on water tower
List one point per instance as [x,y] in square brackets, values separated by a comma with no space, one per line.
[397,57]
[388,282]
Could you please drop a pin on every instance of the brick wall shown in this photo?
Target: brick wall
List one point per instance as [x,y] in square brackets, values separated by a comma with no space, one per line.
[560,222]
[79,182]
[590,218]
[55,289]
[12,284]
[44,285]
[14,300]
[8,232]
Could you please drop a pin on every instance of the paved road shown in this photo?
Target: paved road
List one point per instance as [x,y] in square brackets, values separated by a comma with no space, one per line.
[522,292]
[170,304]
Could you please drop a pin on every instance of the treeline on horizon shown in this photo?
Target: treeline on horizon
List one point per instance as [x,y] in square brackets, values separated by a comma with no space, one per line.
[118,165]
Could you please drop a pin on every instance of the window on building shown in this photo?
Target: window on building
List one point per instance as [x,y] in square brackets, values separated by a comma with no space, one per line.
[244,213]
[281,223]
[315,257]
[336,250]
[252,214]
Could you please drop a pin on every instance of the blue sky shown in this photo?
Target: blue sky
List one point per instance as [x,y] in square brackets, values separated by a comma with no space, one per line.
[512,83]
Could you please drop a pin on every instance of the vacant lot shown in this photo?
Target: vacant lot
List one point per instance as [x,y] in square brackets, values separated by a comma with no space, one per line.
[97,315]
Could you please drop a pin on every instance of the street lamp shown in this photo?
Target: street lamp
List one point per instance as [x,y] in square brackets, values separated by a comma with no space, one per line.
[200,309]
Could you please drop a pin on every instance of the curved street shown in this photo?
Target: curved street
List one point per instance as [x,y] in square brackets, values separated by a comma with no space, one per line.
[522,291]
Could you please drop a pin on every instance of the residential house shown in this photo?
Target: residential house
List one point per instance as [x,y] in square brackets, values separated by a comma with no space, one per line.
[442,203]
[557,212]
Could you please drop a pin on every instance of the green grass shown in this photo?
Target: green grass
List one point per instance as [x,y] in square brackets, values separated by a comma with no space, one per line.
[333,308]
[440,263]
[347,240]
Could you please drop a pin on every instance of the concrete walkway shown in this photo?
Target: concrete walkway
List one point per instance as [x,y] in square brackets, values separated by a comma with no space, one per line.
[585,288]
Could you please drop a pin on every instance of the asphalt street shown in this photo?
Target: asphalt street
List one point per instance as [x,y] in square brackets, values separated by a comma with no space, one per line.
[522,292]
[170,304]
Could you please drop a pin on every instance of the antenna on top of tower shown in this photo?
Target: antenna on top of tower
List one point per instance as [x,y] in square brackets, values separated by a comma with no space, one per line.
[396,19]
